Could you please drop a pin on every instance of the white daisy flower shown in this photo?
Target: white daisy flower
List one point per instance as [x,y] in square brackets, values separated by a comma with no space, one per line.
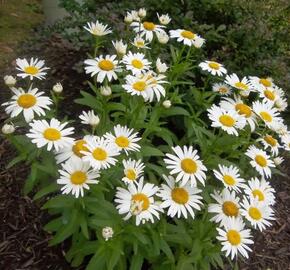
[222,88]
[133,169]
[235,238]
[285,138]
[185,36]
[101,153]
[73,150]
[89,118]
[260,161]
[137,200]
[270,95]
[147,29]
[124,139]
[213,68]
[238,105]
[228,205]
[164,19]
[227,120]
[281,104]
[142,86]
[179,199]
[53,134]
[136,63]
[120,47]
[33,68]
[140,43]
[261,190]
[258,213]
[243,85]
[187,165]
[103,67]
[230,177]
[75,176]
[155,83]
[98,29]
[260,83]
[269,115]
[270,142]
[28,103]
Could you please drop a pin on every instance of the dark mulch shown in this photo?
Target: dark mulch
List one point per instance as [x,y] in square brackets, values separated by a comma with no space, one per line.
[24,244]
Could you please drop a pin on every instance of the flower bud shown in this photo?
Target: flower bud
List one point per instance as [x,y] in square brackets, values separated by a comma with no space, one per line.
[164,19]
[120,47]
[166,104]
[161,67]
[8,129]
[89,118]
[128,18]
[278,160]
[106,90]
[142,12]
[198,41]
[57,88]
[162,37]
[9,80]
[107,233]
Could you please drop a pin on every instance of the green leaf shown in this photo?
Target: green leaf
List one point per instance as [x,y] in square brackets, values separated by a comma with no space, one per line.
[46,190]
[98,261]
[136,262]
[30,181]
[60,201]
[166,249]
[16,160]
[148,151]
[67,229]
[173,111]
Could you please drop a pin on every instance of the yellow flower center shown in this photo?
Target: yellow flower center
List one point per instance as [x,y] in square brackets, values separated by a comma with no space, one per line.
[223,90]
[227,120]
[230,209]
[188,165]
[140,197]
[258,193]
[122,141]
[261,160]
[78,147]
[137,64]
[78,177]
[265,82]
[26,101]
[149,26]
[180,195]
[187,34]
[139,86]
[270,140]
[140,43]
[100,154]
[234,237]
[106,65]
[266,116]
[243,109]
[255,213]
[51,134]
[241,85]
[131,174]
[269,95]
[214,65]
[32,70]
[229,180]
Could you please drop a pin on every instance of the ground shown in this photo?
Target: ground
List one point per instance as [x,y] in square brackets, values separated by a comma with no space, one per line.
[23,243]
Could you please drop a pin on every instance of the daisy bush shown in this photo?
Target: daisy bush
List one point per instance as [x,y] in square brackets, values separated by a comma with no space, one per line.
[169,165]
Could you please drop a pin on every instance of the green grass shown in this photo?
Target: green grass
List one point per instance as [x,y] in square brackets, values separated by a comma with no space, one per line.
[17,19]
